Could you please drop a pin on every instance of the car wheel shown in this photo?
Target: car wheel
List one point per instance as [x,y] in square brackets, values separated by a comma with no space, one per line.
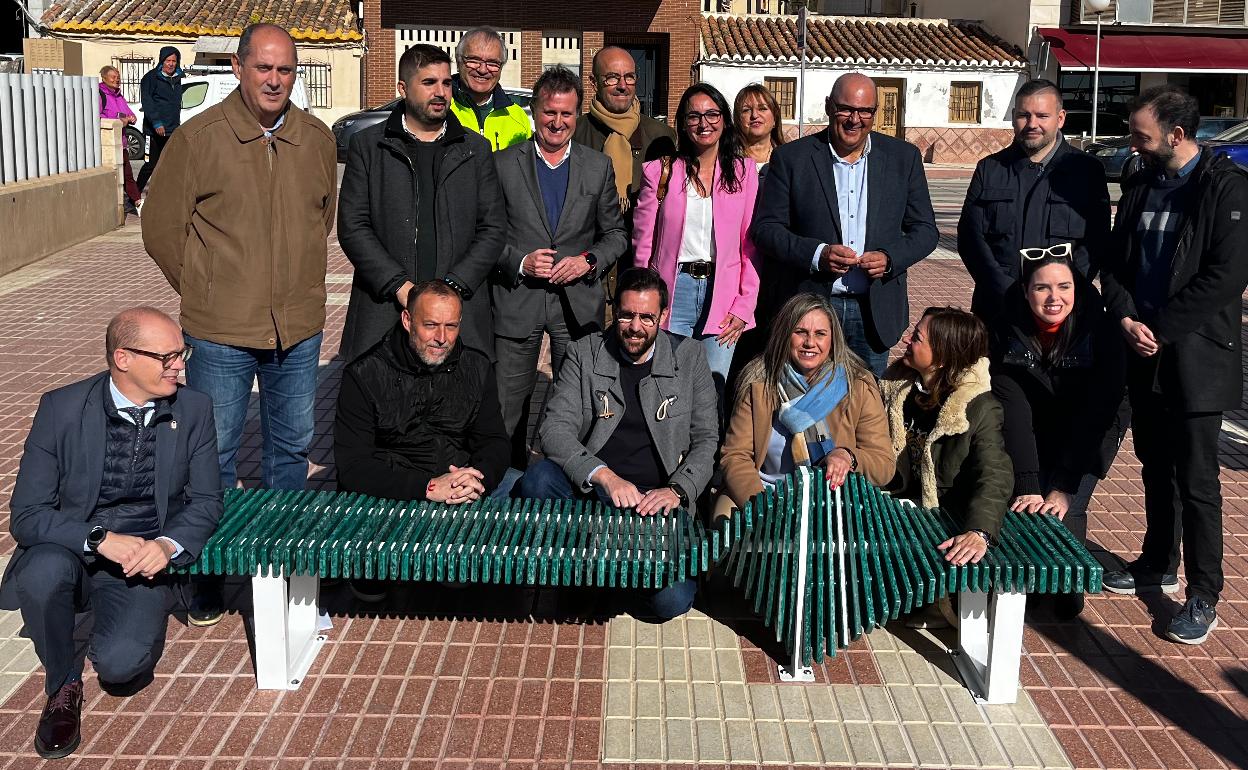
[135,143]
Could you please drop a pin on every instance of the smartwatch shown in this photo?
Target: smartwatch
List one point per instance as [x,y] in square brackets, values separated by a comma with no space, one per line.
[95,538]
[684,500]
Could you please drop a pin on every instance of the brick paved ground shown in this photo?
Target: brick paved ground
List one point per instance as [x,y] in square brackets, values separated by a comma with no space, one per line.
[422,684]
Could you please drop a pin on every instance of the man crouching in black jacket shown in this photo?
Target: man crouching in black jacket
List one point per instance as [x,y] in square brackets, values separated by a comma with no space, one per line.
[418,415]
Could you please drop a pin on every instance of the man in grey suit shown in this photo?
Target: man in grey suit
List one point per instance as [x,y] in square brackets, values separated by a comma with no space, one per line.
[844,213]
[564,231]
[632,420]
[118,480]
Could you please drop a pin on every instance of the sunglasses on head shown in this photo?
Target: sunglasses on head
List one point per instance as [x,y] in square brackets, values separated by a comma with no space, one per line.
[1061,251]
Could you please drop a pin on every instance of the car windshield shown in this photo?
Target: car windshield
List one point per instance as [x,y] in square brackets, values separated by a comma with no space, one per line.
[1211,127]
[1234,134]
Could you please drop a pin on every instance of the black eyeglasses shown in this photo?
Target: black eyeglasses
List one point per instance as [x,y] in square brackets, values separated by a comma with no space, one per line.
[166,359]
[845,110]
[614,80]
[712,117]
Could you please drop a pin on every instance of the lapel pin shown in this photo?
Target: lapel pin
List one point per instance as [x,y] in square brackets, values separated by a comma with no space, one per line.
[173,425]
[606,412]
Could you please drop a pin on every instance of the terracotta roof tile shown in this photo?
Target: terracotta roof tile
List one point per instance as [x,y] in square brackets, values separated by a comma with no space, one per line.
[307,20]
[849,40]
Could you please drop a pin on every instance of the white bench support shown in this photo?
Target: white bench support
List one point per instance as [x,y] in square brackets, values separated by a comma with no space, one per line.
[990,644]
[286,627]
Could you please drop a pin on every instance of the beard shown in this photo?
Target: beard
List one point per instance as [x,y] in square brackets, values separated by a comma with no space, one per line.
[1036,143]
[423,114]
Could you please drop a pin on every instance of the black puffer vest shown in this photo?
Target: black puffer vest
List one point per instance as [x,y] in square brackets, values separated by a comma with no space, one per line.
[127,503]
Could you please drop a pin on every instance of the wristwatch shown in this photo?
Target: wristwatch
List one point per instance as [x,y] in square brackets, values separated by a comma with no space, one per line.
[984,535]
[684,499]
[463,291]
[592,261]
[95,538]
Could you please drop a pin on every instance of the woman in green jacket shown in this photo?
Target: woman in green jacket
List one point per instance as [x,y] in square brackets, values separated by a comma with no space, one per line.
[946,429]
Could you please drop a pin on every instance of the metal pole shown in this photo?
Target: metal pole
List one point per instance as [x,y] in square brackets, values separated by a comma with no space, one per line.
[801,78]
[1096,76]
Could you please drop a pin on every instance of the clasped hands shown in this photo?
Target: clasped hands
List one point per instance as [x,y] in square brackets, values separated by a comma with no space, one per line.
[458,485]
[136,555]
[1055,502]
[838,259]
[540,263]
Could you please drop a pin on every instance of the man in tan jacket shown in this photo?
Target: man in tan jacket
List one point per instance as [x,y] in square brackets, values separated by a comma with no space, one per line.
[237,218]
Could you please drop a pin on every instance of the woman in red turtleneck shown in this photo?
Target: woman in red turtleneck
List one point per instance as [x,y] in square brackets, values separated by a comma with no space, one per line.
[1058,369]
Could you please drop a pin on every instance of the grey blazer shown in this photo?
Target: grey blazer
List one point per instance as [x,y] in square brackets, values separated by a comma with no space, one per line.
[590,221]
[678,396]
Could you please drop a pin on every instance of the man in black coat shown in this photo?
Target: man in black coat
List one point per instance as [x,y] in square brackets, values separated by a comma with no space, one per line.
[160,92]
[118,480]
[418,415]
[845,213]
[1037,192]
[1173,281]
[419,201]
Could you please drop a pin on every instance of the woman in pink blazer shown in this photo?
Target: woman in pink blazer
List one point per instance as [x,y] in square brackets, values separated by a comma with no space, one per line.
[697,236]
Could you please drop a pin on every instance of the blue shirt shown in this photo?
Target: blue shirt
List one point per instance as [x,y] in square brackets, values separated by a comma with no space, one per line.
[851,203]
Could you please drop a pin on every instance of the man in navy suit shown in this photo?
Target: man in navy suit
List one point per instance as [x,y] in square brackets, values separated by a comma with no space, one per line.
[844,213]
[118,479]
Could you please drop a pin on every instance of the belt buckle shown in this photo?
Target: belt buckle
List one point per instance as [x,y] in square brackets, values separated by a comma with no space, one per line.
[699,270]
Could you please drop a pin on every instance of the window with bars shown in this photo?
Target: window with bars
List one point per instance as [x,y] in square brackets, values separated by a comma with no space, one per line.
[132,69]
[317,79]
[964,102]
[785,91]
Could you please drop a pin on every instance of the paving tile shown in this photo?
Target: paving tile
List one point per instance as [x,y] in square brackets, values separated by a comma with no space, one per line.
[862,744]
[772,743]
[649,700]
[706,702]
[619,699]
[879,705]
[764,702]
[1017,747]
[709,734]
[922,741]
[678,736]
[833,744]
[676,700]
[648,737]
[617,740]
[849,704]
[740,739]
[984,744]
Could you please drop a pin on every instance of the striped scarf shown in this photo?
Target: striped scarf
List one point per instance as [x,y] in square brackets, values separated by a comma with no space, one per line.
[804,411]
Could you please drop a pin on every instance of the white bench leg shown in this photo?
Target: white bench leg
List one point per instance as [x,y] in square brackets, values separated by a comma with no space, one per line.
[287,638]
[990,644]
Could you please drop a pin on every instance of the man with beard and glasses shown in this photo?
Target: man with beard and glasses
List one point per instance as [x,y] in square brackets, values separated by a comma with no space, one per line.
[632,420]
[1173,279]
[418,415]
[419,201]
[844,213]
[1038,192]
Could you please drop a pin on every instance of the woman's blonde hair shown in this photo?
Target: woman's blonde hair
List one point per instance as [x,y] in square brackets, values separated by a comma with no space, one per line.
[768,368]
[107,68]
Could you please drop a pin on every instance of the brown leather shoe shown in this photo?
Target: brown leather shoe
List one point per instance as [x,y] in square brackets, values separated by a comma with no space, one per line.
[58,735]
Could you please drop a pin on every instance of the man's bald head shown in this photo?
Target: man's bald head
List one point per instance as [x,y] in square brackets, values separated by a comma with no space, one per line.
[131,328]
[850,85]
[614,64]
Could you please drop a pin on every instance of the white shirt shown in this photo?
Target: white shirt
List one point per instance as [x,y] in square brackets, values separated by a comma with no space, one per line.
[697,240]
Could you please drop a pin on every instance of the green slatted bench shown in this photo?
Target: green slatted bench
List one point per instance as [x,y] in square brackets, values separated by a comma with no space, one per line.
[820,568]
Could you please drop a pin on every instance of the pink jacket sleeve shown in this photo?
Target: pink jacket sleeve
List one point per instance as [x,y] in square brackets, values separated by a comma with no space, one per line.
[747,296]
[646,215]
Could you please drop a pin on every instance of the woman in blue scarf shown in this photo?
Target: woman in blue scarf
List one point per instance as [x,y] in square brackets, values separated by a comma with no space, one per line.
[807,400]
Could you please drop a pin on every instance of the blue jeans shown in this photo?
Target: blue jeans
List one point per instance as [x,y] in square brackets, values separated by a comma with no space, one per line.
[691,302]
[287,397]
[849,311]
[545,480]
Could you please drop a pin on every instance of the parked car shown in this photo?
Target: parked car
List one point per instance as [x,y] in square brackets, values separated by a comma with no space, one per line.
[1121,161]
[349,125]
[199,92]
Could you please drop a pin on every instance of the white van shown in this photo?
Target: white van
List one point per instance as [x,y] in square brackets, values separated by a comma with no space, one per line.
[199,92]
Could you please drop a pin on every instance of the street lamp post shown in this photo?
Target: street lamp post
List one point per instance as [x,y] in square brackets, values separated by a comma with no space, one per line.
[1098,7]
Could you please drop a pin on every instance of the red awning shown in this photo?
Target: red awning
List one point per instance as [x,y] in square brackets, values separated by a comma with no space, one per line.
[1134,52]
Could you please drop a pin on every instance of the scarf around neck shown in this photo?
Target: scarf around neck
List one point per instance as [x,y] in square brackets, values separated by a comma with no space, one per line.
[804,412]
[617,147]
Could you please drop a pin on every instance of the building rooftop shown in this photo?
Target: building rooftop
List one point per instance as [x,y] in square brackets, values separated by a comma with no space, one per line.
[307,20]
[852,40]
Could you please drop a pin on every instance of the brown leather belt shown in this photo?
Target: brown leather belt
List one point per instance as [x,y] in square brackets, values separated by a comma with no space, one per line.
[699,270]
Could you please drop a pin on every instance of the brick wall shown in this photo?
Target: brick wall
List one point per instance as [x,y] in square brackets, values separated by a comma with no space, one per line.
[674,22]
[591,44]
[379,62]
[530,56]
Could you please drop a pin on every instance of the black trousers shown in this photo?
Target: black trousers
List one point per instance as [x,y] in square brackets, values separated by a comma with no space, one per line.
[131,614]
[1182,493]
[155,147]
